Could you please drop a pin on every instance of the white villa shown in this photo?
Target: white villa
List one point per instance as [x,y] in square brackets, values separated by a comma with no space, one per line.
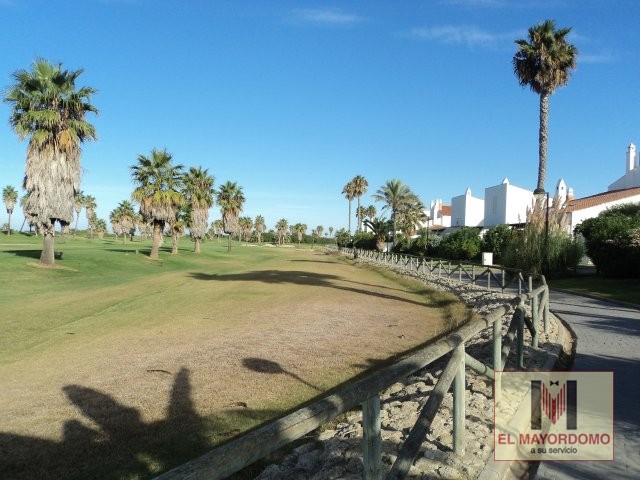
[439,214]
[467,210]
[506,204]
[631,178]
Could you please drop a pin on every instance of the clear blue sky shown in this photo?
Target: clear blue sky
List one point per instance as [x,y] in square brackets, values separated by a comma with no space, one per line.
[291,99]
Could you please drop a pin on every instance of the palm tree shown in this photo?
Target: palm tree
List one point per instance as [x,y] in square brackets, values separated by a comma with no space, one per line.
[9,197]
[78,205]
[543,63]
[370,211]
[48,110]
[349,193]
[380,227]
[395,195]
[218,228]
[158,192]
[281,228]
[360,185]
[100,226]
[411,216]
[330,231]
[231,201]
[123,219]
[90,210]
[259,226]
[31,219]
[198,192]
[246,225]
[299,229]
[176,227]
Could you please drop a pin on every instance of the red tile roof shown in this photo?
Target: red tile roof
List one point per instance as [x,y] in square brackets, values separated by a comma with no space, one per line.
[446,210]
[600,198]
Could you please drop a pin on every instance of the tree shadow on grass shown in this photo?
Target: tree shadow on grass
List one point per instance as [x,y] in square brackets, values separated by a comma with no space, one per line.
[114,442]
[24,253]
[300,278]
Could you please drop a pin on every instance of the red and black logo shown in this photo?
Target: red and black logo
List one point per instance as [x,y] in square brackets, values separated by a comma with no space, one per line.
[554,401]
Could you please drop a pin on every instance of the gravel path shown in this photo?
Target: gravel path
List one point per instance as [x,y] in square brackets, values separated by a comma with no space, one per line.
[337,452]
[608,340]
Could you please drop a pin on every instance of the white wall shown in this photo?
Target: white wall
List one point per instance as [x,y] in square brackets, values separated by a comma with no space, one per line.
[506,204]
[467,210]
[578,216]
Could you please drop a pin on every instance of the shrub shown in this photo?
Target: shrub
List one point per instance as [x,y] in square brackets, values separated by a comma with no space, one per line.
[364,240]
[613,240]
[343,238]
[526,250]
[497,240]
[463,244]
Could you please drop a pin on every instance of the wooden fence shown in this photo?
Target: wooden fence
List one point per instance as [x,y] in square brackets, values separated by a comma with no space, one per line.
[251,447]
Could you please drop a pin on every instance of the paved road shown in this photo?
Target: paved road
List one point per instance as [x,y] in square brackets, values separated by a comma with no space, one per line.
[609,340]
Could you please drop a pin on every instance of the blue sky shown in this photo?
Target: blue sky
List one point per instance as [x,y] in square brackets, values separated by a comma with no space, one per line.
[291,99]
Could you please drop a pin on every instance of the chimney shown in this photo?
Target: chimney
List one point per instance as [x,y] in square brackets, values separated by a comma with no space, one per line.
[570,195]
[631,157]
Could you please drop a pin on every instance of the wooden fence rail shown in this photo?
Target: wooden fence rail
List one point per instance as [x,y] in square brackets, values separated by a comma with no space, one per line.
[248,448]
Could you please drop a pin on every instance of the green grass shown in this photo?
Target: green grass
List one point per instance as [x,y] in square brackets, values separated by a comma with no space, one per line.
[139,365]
[623,290]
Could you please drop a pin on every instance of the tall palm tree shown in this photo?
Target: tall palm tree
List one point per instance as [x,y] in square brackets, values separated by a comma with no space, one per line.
[349,193]
[259,225]
[198,192]
[9,197]
[90,206]
[176,227]
[282,227]
[330,231]
[360,185]
[78,205]
[543,62]
[370,211]
[158,183]
[395,196]
[231,201]
[49,111]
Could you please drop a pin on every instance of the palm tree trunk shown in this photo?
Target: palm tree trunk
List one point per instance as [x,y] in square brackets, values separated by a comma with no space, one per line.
[9,232]
[229,243]
[395,228]
[174,248]
[542,141]
[47,255]
[196,249]
[76,227]
[358,215]
[349,217]
[155,247]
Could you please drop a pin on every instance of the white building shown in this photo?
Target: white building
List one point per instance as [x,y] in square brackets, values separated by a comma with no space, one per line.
[506,204]
[588,207]
[439,214]
[631,178]
[467,210]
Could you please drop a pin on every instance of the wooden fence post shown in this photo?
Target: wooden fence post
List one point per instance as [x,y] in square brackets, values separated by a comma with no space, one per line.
[371,441]
[459,405]
[520,338]
[535,319]
[497,359]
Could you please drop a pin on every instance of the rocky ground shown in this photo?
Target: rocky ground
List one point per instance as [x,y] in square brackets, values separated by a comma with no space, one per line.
[336,451]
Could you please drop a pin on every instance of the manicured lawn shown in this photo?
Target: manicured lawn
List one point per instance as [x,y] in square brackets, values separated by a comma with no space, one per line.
[116,366]
[624,290]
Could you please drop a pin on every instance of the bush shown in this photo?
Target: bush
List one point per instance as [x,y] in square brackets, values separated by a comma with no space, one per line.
[526,250]
[343,238]
[613,240]
[364,240]
[497,240]
[463,244]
